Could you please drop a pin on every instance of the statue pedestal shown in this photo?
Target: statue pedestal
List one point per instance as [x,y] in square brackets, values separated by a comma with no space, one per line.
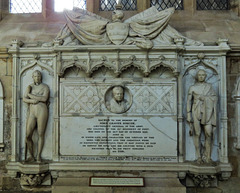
[31,174]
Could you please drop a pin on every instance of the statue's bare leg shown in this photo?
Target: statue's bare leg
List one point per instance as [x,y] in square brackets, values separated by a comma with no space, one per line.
[42,121]
[31,123]
[208,142]
[196,139]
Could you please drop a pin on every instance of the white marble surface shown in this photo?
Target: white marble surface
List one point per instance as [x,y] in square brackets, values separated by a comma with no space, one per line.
[88,97]
[118,136]
[25,81]
[189,80]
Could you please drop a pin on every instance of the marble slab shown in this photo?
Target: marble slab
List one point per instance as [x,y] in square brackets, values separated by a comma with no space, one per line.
[118,136]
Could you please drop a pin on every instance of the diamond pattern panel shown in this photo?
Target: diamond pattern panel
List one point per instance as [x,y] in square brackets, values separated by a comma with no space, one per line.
[129,4]
[152,99]
[80,99]
[86,99]
[79,3]
[25,6]
[109,5]
[212,4]
[164,4]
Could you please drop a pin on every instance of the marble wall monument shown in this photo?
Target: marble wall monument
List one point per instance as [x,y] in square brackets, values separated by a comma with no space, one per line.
[118,96]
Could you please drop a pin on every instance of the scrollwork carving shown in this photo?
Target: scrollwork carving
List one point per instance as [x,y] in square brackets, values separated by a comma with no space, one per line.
[32,179]
[202,180]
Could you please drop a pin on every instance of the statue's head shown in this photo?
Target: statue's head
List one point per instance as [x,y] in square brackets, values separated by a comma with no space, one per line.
[118,93]
[117,15]
[201,75]
[37,77]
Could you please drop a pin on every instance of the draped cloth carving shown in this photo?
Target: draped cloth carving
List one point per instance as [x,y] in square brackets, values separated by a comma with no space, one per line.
[145,29]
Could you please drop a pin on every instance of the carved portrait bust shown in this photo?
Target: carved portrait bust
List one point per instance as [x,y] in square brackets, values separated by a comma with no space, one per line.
[118,99]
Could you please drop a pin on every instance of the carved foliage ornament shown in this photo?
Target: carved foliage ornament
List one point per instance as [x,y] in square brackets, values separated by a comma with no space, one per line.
[202,180]
[32,179]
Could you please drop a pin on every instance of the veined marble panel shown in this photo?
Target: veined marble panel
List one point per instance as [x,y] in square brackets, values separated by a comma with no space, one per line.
[89,128]
[118,136]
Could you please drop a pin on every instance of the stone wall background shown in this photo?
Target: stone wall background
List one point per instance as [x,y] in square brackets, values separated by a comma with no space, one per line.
[205,26]
[6,79]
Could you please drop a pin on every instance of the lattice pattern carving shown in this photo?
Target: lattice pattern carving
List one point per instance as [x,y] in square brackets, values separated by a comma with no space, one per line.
[212,4]
[25,6]
[79,3]
[88,99]
[154,99]
[81,99]
[164,4]
[109,5]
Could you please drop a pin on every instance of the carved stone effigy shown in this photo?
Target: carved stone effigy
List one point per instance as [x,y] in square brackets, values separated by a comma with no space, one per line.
[118,102]
[202,115]
[36,96]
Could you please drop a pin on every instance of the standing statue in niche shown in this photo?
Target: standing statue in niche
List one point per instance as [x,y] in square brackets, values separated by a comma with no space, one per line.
[117,104]
[36,96]
[201,115]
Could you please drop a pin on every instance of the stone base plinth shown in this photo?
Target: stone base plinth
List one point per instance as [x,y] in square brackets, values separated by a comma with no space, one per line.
[155,182]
